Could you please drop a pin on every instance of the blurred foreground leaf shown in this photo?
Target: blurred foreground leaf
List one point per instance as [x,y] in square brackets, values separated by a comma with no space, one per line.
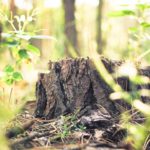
[8,69]
[143,6]
[122,13]
[43,37]
[17,76]
[33,49]
[23,54]
[9,81]
[5,113]
[145,25]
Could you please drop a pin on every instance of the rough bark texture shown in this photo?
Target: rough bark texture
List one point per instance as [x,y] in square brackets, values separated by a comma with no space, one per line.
[74,84]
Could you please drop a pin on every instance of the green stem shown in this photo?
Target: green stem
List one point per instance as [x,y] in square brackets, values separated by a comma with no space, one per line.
[143,55]
[10,94]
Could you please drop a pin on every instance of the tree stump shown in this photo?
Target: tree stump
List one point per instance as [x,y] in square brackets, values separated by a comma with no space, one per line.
[74,84]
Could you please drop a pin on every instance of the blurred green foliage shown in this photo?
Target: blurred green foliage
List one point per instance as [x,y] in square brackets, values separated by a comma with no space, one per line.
[138,45]
[18,44]
[137,50]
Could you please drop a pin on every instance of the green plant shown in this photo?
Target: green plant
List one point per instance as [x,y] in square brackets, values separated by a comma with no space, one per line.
[69,124]
[19,45]
[17,41]
[138,134]
[138,32]
[7,113]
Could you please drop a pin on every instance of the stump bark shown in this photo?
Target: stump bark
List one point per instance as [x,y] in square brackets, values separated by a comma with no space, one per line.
[75,84]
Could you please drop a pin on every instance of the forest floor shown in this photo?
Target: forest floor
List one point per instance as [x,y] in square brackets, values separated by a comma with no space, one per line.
[27,132]
[98,124]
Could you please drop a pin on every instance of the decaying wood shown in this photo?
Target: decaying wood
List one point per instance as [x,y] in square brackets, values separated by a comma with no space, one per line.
[13,132]
[74,84]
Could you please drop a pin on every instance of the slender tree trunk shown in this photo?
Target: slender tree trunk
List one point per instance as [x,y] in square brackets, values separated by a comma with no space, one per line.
[70,26]
[0,32]
[99,27]
[13,10]
[39,22]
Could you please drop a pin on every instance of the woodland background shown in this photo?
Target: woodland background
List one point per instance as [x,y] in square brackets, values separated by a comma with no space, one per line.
[67,28]
[75,27]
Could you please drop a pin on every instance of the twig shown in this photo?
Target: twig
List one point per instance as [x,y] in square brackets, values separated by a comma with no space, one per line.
[13,132]
[30,137]
[10,94]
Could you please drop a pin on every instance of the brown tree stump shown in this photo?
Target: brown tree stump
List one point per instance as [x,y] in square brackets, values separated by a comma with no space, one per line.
[75,84]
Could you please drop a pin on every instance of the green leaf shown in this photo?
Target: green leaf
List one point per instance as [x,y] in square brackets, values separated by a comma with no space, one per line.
[11,43]
[6,35]
[8,69]
[122,13]
[140,79]
[23,54]
[43,37]
[33,49]
[143,6]
[17,76]
[145,25]
[133,29]
[9,81]
[25,37]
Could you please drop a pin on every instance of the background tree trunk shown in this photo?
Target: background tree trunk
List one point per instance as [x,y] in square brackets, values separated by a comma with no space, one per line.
[99,27]
[13,10]
[1,32]
[70,26]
